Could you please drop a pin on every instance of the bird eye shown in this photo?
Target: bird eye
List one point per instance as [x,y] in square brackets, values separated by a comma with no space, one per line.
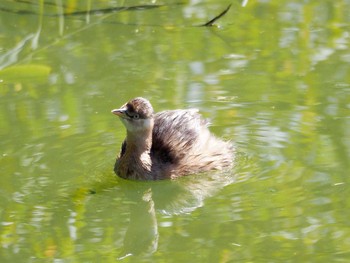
[136,116]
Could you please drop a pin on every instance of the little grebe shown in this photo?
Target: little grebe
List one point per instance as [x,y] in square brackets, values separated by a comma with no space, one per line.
[167,144]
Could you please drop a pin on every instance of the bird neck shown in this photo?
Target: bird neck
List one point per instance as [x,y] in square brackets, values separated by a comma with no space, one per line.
[136,162]
[139,142]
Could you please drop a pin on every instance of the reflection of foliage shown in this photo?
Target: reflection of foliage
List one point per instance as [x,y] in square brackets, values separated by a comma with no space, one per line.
[274,77]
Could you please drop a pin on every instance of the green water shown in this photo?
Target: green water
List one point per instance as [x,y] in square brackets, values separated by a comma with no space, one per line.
[272,76]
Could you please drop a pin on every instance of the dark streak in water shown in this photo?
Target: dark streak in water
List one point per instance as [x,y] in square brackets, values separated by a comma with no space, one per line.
[211,22]
[109,11]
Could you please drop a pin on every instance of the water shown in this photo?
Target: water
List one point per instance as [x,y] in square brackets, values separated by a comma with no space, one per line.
[273,77]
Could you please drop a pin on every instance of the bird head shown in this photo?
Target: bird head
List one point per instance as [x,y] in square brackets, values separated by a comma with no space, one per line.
[136,115]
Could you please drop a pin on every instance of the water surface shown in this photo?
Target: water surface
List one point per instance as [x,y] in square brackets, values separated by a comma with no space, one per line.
[272,77]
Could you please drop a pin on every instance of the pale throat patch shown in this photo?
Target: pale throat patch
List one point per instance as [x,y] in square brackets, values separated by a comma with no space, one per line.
[137,125]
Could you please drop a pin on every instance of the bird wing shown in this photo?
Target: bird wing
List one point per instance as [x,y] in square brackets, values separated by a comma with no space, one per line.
[175,132]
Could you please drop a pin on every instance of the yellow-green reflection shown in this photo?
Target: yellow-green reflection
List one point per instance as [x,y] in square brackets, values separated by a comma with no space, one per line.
[272,76]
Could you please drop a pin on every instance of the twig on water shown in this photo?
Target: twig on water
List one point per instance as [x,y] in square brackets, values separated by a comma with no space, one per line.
[211,22]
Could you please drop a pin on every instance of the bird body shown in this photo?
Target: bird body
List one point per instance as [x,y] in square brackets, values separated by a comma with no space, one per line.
[168,144]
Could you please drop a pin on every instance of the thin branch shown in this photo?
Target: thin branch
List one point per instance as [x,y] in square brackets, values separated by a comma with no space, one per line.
[112,10]
[85,12]
[211,22]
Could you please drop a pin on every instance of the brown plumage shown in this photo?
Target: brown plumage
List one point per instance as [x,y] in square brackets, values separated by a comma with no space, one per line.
[168,144]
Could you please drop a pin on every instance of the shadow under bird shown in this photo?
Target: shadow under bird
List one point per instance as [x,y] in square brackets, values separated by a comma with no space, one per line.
[167,144]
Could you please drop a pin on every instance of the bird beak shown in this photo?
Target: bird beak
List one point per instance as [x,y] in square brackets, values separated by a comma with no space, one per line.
[119,112]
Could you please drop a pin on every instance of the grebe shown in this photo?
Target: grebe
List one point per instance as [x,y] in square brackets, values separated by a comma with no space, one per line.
[167,144]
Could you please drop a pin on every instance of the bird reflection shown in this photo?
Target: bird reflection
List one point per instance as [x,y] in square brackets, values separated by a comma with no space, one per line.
[170,197]
[142,234]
